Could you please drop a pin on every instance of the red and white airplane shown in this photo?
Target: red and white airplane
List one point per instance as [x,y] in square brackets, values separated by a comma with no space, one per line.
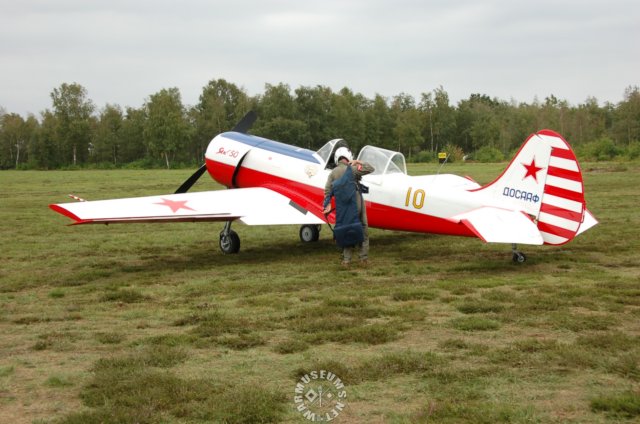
[538,199]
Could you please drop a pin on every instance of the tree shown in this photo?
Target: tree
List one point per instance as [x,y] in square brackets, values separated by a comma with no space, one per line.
[107,138]
[426,107]
[290,131]
[346,118]
[73,112]
[550,113]
[166,128]
[278,120]
[30,131]
[444,117]
[15,135]
[70,133]
[590,122]
[627,117]
[441,118]
[131,133]
[277,102]
[379,123]
[408,127]
[44,148]
[477,123]
[220,107]
[313,106]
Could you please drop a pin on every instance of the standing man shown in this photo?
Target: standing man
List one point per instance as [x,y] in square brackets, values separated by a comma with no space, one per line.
[344,158]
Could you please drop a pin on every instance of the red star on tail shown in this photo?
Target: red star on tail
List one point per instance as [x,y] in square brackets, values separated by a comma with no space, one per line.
[532,170]
[175,205]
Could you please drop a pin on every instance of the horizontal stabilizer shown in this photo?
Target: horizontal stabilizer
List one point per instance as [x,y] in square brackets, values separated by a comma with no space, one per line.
[588,222]
[495,225]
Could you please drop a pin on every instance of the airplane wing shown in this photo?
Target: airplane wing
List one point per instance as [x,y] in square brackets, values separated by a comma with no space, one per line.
[496,225]
[253,206]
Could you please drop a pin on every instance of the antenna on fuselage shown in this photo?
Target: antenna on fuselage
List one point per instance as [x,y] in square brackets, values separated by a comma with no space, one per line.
[446,158]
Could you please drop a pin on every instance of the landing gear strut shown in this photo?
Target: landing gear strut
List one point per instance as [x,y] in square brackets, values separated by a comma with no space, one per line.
[229,240]
[518,257]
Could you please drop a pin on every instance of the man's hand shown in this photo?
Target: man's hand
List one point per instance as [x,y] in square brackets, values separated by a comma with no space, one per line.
[356,164]
[327,209]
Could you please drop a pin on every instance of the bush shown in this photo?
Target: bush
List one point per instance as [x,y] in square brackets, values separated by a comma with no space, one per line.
[600,150]
[101,165]
[454,153]
[424,157]
[487,154]
[633,150]
[145,163]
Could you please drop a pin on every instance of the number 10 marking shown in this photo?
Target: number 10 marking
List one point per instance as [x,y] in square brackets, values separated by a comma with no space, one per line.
[418,198]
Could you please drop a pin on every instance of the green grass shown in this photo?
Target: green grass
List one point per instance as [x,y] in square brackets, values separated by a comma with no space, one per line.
[474,324]
[110,338]
[123,295]
[58,381]
[151,323]
[622,405]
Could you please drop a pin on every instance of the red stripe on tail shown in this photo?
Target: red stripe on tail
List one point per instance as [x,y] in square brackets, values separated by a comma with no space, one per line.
[565,194]
[564,173]
[562,213]
[558,231]
[563,153]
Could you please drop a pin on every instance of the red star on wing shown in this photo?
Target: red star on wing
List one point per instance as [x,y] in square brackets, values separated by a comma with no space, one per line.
[175,205]
[532,170]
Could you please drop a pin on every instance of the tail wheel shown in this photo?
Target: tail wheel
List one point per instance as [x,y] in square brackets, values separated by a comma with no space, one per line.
[229,242]
[309,233]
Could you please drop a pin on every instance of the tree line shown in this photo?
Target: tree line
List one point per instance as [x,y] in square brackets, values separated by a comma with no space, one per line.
[166,133]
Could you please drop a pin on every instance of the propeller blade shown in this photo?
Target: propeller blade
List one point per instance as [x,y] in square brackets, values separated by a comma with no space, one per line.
[191,180]
[246,122]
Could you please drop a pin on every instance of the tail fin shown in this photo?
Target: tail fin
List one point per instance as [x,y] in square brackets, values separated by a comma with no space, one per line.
[544,180]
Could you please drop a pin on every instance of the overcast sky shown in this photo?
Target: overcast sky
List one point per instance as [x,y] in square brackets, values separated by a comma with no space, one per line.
[122,51]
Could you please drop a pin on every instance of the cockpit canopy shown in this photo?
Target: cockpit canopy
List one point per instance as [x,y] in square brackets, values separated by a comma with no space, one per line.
[384,161]
[327,152]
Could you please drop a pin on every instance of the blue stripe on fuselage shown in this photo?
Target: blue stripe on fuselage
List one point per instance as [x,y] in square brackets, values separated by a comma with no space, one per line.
[273,146]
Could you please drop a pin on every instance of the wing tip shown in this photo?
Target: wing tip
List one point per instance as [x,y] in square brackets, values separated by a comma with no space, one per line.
[62,211]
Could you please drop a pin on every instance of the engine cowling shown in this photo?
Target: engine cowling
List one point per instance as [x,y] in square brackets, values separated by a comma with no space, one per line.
[224,157]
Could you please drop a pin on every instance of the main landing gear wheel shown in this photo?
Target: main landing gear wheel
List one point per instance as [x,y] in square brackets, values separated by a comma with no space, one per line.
[229,240]
[309,233]
[518,257]
[229,243]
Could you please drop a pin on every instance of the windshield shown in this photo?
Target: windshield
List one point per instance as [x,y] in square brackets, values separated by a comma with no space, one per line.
[327,151]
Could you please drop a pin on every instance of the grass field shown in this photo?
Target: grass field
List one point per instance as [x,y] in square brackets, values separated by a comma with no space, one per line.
[151,323]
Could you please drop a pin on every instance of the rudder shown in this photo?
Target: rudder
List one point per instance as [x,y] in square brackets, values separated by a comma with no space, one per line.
[563,205]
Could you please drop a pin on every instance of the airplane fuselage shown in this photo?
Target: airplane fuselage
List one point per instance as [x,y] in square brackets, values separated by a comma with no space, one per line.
[395,201]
